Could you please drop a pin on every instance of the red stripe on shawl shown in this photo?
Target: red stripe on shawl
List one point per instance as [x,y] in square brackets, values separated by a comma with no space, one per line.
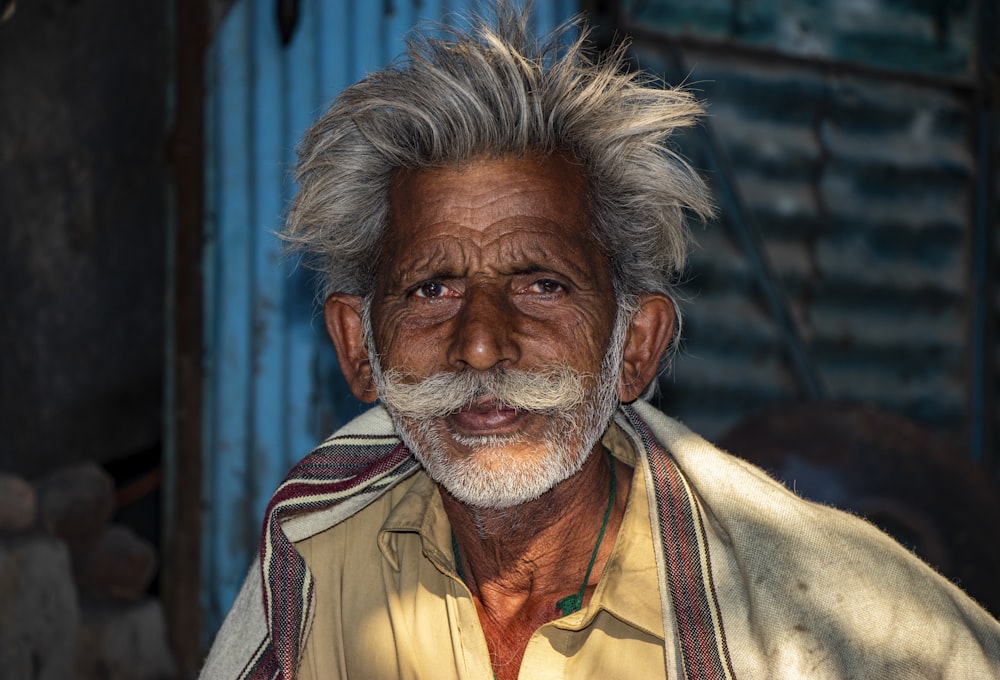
[286,614]
[693,601]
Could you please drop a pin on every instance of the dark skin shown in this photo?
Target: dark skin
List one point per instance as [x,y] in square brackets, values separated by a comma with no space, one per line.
[486,264]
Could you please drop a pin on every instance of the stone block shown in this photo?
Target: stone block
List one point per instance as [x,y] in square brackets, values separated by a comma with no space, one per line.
[123,642]
[38,609]
[18,505]
[118,564]
[75,503]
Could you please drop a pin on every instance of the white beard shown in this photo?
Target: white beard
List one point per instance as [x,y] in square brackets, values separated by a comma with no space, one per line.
[503,471]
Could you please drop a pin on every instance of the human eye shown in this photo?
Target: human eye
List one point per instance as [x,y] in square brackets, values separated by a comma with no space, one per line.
[431,290]
[547,287]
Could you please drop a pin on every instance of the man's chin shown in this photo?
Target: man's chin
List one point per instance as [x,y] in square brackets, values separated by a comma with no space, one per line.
[499,471]
[488,497]
[500,477]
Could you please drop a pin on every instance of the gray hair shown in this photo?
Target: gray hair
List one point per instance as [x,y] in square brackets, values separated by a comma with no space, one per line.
[492,91]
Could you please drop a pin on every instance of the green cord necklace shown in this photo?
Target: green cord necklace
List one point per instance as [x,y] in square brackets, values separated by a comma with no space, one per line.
[573,602]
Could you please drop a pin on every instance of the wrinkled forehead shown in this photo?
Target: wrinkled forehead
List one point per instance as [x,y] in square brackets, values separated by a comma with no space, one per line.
[493,207]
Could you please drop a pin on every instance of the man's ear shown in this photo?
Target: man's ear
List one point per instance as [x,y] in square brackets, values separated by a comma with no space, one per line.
[343,323]
[649,335]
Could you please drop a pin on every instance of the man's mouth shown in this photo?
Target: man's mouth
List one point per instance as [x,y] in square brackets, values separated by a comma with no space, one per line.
[485,417]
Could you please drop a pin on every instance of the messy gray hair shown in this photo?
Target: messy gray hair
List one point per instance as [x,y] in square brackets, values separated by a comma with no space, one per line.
[492,91]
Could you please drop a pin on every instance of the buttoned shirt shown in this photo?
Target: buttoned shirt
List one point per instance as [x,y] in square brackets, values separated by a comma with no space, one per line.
[390,604]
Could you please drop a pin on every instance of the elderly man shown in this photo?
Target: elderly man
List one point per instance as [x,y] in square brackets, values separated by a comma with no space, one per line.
[499,227]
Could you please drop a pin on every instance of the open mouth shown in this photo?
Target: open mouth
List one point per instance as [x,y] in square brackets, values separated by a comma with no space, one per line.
[485,417]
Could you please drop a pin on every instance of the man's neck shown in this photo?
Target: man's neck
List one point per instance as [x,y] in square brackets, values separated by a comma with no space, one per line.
[518,562]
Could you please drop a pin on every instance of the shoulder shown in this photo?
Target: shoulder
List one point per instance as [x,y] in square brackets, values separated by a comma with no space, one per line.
[809,586]
[335,535]
[353,468]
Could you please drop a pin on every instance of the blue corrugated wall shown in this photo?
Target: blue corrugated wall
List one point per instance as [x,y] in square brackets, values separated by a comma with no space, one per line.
[272,389]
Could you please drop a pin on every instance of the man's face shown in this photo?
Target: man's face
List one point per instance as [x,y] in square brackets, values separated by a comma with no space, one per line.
[488,272]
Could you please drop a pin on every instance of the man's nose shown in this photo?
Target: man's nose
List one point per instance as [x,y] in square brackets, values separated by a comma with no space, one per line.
[483,335]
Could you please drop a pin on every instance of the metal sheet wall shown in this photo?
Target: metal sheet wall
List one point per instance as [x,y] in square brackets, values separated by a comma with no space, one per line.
[272,389]
[850,130]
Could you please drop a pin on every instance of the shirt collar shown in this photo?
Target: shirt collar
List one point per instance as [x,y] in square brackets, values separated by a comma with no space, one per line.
[629,583]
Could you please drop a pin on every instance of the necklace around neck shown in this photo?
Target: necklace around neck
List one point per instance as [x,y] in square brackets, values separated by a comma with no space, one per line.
[574,601]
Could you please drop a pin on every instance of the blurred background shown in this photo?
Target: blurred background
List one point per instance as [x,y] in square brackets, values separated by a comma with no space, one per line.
[163,365]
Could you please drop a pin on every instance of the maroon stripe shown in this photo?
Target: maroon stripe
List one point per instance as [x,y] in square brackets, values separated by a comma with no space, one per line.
[677,543]
[285,644]
[289,490]
[680,529]
[687,573]
[688,577]
[264,668]
[286,614]
[692,575]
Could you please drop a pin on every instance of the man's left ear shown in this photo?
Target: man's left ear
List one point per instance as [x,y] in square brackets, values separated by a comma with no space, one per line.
[649,335]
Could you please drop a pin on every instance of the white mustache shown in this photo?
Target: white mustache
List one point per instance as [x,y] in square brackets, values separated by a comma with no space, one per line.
[552,389]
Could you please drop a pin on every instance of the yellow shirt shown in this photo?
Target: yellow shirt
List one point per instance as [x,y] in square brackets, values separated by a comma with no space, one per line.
[389,603]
